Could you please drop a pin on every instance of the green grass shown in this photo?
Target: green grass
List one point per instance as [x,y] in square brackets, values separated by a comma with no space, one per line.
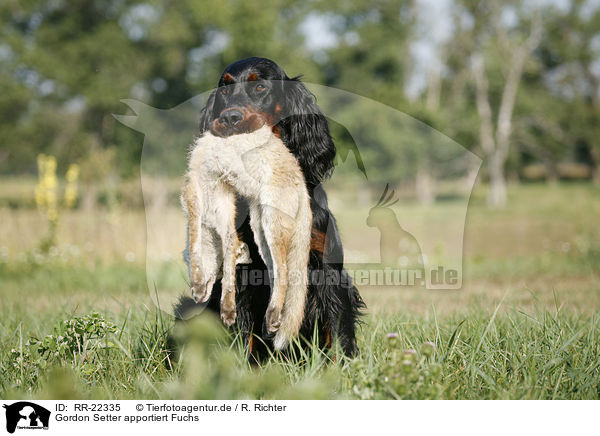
[526,325]
[474,354]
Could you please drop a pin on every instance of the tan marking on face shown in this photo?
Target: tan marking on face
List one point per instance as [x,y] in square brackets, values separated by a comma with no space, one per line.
[252,77]
[227,78]
[251,122]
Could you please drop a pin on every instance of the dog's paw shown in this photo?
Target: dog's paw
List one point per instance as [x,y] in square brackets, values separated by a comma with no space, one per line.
[200,293]
[273,319]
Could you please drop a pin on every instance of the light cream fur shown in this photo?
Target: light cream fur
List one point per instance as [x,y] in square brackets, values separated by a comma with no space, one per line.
[258,167]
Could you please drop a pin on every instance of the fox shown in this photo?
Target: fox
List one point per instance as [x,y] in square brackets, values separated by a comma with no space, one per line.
[259,168]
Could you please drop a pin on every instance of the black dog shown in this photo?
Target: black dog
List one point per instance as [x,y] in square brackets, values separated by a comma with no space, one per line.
[253,92]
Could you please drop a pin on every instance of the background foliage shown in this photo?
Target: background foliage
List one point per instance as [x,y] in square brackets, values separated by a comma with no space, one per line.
[64,66]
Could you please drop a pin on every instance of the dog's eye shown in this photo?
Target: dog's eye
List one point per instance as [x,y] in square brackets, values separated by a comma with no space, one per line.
[260,88]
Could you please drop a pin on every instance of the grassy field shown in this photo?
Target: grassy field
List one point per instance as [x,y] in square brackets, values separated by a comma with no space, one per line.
[79,322]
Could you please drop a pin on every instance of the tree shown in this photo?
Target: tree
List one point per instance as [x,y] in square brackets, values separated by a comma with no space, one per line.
[495,134]
[570,54]
[76,62]
[372,57]
[65,66]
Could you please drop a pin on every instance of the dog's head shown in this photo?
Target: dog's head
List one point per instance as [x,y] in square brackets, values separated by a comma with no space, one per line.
[255,92]
[249,95]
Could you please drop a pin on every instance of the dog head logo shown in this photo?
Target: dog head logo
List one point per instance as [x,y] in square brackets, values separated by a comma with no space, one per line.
[26,415]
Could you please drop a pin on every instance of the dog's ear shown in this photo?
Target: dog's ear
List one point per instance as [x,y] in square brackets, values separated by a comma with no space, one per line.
[206,114]
[305,131]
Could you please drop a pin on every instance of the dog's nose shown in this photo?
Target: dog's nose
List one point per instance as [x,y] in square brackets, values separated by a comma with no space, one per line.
[230,117]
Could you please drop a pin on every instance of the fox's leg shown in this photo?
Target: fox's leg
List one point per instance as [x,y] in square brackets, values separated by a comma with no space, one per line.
[203,250]
[278,229]
[261,242]
[294,305]
[231,246]
[207,265]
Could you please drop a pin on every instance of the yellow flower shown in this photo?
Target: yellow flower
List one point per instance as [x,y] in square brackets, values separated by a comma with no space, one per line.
[46,195]
[71,188]
[51,165]
[46,191]
[72,173]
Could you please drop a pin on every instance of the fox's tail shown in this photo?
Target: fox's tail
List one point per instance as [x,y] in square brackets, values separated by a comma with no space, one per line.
[297,267]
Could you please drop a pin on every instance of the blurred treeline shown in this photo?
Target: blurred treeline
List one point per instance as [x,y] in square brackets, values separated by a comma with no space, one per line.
[515,82]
